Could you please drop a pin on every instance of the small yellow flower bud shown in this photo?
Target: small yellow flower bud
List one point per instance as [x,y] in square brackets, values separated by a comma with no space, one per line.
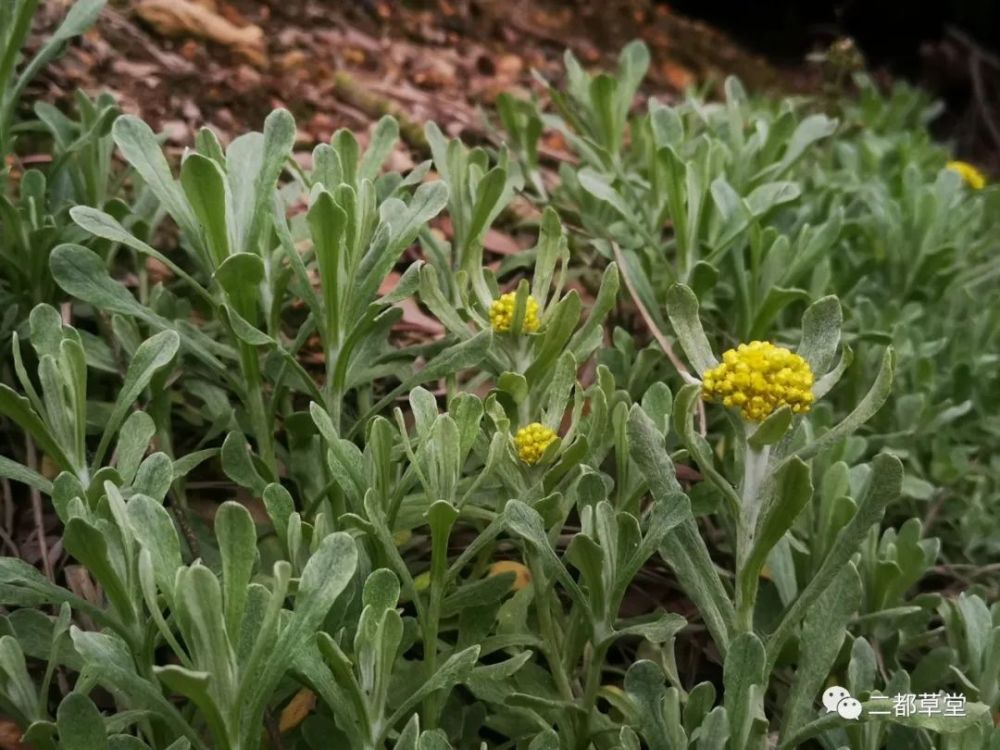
[502,313]
[531,441]
[760,378]
[521,572]
[972,176]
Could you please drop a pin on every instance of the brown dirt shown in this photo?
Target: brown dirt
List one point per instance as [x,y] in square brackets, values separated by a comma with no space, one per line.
[343,64]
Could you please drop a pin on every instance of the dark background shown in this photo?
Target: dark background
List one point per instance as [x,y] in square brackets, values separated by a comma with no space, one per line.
[949,47]
[892,33]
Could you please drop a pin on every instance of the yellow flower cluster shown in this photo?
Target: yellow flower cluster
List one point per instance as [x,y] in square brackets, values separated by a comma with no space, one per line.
[972,176]
[531,441]
[759,378]
[502,313]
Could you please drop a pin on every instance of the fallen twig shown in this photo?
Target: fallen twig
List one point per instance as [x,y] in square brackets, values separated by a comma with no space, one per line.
[37,511]
[661,339]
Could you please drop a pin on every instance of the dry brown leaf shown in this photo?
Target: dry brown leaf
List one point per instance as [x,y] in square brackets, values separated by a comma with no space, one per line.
[522,576]
[10,735]
[186,17]
[416,319]
[298,708]
[501,242]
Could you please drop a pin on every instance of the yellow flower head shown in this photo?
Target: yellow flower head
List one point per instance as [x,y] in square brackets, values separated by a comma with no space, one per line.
[531,442]
[502,313]
[759,378]
[972,176]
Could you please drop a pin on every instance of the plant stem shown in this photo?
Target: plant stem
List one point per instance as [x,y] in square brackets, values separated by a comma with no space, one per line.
[262,426]
[754,468]
[595,669]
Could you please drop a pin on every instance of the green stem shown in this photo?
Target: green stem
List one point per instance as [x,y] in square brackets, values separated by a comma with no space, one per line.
[595,670]
[549,647]
[262,426]
[754,469]
[432,622]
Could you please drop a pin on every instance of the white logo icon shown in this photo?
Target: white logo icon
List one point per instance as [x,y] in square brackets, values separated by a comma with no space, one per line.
[849,708]
[837,699]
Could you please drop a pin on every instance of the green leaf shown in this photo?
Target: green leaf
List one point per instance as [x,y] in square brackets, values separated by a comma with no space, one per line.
[821,326]
[81,16]
[777,299]
[698,446]
[660,629]
[324,578]
[141,149]
[771,194]
[204,185]
[126,742]
[822,635]
[81,273]
[237,537]
[239,274]
[89,545]
[865,410]
[645,685]
[489,197]
[744,679]
[682,309]
[813,128]
[19,409]
[683,548]
[13,470]
[279,137]
[151,356]
[101,224]
[714,730]
[154,529]
[454,671]
[19,691]
[976,714]
[23,585]
[238,466]
[427,202]
[883,487]
[700,700]
[559,326]
[155,475]
[280,506]
[194,685]
[380,145]
[792,492]
[658,403]
[455,358]
[133,442]
[527,523]
[80,724]
[108,659]
[772,429]
[598,186]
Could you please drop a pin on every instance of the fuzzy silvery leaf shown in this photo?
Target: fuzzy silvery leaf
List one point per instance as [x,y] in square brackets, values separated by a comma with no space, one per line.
[882,488]
[108,658]
[683,548]
[822,635]
[821,326]
[80,724]
[237,538]
[744,680]
[682,307]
